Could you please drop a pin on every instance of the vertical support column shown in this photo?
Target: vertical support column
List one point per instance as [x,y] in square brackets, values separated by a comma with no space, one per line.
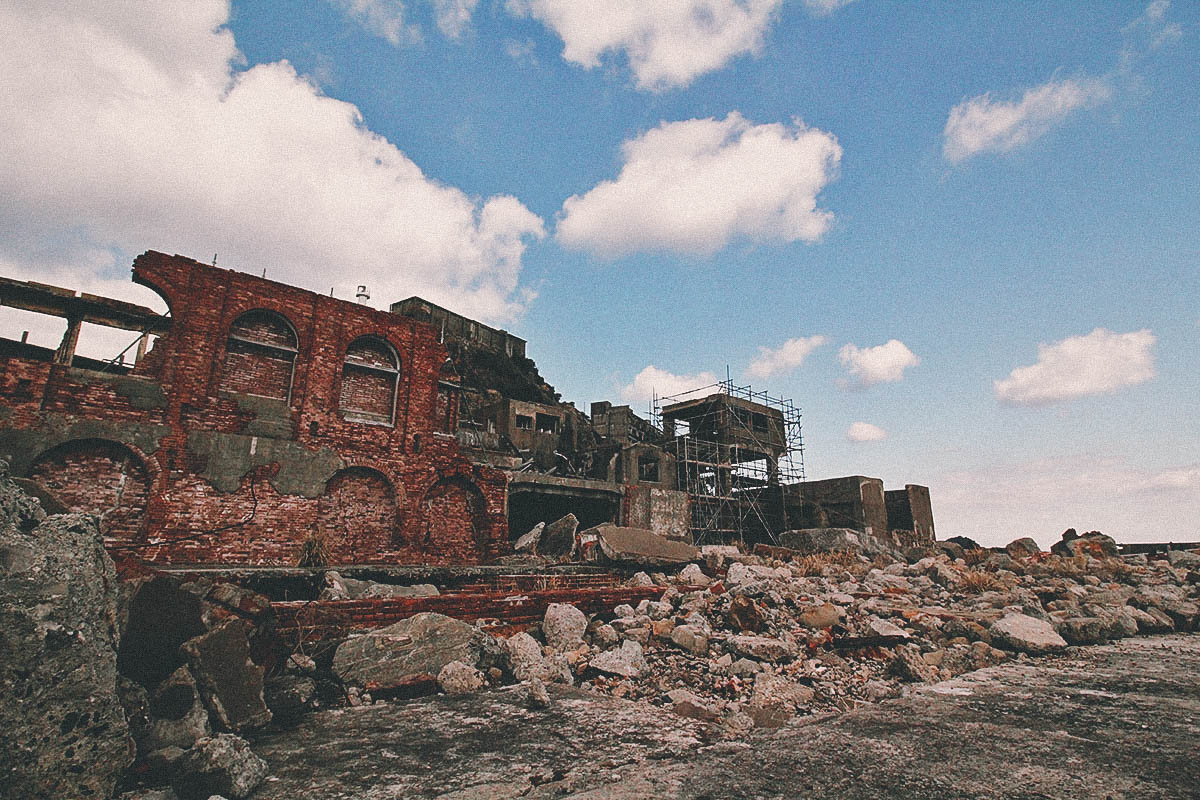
[141,348]
[70,340]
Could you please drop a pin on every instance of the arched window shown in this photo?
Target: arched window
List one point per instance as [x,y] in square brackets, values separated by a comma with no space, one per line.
[369,380]
[260,356]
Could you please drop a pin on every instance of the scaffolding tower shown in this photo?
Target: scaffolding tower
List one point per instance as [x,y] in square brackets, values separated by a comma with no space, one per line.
[737,452]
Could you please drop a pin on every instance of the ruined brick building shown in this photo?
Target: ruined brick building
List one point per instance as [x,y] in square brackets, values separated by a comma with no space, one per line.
[256,415]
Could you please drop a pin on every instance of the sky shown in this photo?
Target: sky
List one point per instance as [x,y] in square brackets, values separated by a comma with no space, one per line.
[963,237]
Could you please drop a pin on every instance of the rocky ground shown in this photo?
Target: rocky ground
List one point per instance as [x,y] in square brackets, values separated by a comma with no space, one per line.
[1118,721]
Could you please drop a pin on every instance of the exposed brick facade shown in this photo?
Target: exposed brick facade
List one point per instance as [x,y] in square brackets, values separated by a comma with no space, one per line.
[232,443]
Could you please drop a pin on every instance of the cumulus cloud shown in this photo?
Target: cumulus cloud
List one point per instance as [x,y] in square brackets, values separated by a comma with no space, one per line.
[787,356]
[823,8]
[653,382]
[382,18]
[453,16]
[865,432]
[692,186]
[666,44]
[1099,363]
[985,124]
[884,363]
[127,128]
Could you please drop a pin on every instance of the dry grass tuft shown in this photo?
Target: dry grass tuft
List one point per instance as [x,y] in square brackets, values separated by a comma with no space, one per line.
[314,551]
[978,582]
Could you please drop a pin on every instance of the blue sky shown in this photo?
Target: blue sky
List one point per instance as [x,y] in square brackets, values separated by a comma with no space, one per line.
[974,225]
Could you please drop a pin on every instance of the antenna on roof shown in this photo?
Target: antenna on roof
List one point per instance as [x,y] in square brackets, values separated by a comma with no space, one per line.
[214,259]
[264,272]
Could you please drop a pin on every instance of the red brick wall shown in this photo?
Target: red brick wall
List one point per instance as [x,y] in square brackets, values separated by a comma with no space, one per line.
[96,475]
[446,509]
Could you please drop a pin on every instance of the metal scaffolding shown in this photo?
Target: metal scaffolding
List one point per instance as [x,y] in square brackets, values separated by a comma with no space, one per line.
[734,459]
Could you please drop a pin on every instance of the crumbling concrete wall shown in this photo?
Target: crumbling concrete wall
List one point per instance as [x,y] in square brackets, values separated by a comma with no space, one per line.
[192,466]
[664,511]
[855,502]
[909,510]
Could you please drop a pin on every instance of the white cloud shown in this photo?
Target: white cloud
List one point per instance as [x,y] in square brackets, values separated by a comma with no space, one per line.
[823,8]
[453,16]
[984,124]
[787,356]
[694,185]
[1099,363]
[1148,32]
[667,44]
[884,363]
[652,382]
[1178,478]
[127,129]
[865,432]
[383,18]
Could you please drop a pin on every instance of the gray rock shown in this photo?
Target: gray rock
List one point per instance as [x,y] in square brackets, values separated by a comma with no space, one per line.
[692,574]
[177,715]
[641,579]
[1083,630]
[289,696]
[459,678]
[222,764]
[1023,548]
[690,638]
[529,542]
[908,665]
[628,660]
[605,636]
[230,683]
[523,656]
[762,648]
[413,650]
[1092,543]
[1026,634]
[822,616]
[688,704]
[880,627]
[63,731]
[537,697]
[558,539]
[564,626]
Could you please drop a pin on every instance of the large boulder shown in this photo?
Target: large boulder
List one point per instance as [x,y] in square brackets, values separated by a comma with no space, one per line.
[558,538]
[1026,634]
[1092,543]
[63,731]
[564,626]
[762,648]
[1022,548]
[221,765]
[411,651]
[229,681]
[529,542]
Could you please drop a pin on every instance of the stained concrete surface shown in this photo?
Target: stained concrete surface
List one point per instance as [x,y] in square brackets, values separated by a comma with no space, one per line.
[1117,721]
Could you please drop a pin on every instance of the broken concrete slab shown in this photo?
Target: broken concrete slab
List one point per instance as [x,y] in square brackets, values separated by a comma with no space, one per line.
[638,546]
[528,543]
[558,538]
[230,683]
[409,651]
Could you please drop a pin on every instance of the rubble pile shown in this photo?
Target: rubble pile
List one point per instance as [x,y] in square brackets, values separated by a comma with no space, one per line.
[750,641]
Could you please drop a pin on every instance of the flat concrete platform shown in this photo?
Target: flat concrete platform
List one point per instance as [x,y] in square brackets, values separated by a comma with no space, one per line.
[1117,721]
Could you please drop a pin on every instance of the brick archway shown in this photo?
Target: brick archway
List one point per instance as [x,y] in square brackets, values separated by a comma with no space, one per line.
[455,522]
[98,476]
[359,514]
